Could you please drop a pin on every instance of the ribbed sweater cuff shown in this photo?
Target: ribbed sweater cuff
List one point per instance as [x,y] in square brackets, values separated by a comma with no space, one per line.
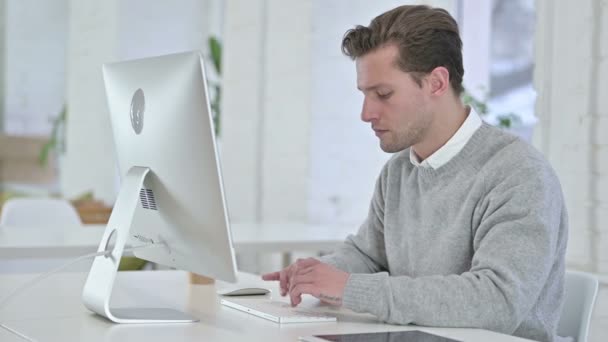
[363,291]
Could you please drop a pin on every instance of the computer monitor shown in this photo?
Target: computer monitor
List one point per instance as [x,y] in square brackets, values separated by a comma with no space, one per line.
[171,192]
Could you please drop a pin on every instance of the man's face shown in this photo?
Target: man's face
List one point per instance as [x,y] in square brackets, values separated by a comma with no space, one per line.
[395,105]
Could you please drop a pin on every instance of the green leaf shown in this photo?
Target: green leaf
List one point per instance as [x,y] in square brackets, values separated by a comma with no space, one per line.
[215,47]
[469,100]
[508,120]
[504,122]
[43,157]
[54,142]
[131,264]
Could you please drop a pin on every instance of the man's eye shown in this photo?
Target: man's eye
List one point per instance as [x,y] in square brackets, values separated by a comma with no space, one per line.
[385,96]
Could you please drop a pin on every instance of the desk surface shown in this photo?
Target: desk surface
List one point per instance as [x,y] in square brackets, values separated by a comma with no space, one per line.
[53,311]
[61,242]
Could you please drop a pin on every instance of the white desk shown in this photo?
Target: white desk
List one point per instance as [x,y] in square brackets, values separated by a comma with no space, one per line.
[62,242]
[53,311]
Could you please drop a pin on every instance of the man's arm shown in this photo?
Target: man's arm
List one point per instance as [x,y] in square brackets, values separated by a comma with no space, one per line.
[364,252]
[515,248]
[360,253]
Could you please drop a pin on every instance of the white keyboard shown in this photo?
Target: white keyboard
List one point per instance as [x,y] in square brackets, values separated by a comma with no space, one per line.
[276,311]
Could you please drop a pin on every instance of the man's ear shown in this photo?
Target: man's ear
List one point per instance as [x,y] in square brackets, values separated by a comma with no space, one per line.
[439,81]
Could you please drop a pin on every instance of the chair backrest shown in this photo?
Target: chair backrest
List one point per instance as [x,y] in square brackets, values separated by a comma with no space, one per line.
[580,292]
[35,212]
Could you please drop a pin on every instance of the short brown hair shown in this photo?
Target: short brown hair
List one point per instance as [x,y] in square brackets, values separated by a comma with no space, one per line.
[426,37]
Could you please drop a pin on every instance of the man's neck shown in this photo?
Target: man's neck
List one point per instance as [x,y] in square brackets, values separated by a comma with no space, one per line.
[447,122]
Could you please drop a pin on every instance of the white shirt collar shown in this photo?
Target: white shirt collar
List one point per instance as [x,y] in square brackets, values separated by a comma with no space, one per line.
[452,146]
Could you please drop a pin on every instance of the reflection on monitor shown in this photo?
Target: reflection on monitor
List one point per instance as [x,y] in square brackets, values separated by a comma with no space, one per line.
[171,192]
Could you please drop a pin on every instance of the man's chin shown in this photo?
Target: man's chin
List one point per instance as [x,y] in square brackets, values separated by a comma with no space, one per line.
[388,148]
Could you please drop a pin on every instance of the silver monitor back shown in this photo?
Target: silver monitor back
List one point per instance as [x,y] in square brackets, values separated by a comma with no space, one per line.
[171,191]
[162,120]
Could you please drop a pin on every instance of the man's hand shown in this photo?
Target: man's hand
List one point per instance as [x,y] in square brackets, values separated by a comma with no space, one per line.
[310,276]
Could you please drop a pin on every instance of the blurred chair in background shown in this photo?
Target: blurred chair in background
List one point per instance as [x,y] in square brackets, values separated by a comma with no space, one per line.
[24,213]
[580,293]
[28,212]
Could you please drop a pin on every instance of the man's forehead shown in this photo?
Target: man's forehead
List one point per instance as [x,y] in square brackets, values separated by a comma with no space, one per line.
[376,72]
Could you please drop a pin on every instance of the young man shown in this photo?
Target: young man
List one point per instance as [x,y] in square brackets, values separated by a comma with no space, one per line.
[467,226]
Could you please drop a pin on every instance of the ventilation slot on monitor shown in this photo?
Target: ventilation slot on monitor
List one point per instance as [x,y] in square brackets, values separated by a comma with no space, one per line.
[146,196]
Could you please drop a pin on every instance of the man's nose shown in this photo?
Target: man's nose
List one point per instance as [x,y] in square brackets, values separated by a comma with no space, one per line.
[369,112]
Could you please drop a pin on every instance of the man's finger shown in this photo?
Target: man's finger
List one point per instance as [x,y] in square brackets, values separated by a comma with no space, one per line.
[304,277]
[304,270]
[300,289]
[283,282]
[271,276]
[291,272]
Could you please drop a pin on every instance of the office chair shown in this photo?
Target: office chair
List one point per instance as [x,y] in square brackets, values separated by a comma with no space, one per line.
[35,212]
[580,293]
[23,213]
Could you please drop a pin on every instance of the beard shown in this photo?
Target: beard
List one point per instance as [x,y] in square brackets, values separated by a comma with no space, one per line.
[396,141]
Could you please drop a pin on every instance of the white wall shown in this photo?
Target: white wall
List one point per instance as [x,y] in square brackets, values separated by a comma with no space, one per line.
[571,78]
[151,28]
[242,106]
[88,164]
[108,31]
[572,119]
[266,109]
[475,31]
[286,111]
[35,37]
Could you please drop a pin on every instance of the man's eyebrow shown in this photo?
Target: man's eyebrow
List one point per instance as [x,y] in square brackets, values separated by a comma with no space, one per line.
[372,87]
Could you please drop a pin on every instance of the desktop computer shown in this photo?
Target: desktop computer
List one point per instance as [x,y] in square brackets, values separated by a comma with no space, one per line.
[171,194]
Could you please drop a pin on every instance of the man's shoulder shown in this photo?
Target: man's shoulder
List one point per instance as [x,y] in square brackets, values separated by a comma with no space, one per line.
[507,149]
[506,155]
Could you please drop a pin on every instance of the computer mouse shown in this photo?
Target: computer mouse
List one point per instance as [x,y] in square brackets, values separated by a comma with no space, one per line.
[243,291]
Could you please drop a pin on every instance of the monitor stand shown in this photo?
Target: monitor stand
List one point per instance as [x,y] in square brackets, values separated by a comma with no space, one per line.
[98,287]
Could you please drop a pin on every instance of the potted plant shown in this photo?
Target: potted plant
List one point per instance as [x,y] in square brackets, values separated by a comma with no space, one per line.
[509,121]
[215,55]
